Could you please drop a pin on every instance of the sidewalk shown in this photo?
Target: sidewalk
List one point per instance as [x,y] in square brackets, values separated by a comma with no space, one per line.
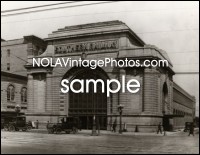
[104,132]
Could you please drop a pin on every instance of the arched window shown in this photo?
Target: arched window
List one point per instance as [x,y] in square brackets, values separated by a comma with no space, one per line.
[10,93]
[24,95]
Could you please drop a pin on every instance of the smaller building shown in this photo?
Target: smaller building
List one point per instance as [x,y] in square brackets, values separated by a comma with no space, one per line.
[13,92]
[14,53]
[183,106]
[14,56]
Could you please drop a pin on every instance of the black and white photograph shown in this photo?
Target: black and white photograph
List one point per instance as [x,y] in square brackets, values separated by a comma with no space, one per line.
[99,77]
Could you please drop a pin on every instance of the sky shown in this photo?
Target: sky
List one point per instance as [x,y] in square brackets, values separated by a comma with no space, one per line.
[172,26]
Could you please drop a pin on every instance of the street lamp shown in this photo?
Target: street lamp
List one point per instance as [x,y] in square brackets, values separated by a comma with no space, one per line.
[94,129]
[120,107]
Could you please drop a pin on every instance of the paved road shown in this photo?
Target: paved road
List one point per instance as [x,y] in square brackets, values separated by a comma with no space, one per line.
[29,142]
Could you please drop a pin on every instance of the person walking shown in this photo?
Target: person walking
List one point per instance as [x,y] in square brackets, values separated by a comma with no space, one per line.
[111,125]
[114,125]
[191,131]
[159,128]
[98,126]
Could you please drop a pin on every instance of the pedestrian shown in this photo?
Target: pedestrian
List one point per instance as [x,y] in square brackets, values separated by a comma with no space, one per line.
[98,126]
[125,127]
[110,125]
[37,124]
[159,128]
[191,131]
[114,125]
[33,125]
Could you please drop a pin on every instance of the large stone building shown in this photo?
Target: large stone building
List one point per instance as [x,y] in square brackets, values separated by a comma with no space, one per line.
[14,55]
[159,98]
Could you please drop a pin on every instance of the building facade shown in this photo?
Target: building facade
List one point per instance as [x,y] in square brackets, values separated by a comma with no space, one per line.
[14,56]
[14,53]
[183,104]
[13,92]
[98,41]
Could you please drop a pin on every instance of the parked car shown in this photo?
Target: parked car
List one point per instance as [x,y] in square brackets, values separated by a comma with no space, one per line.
[66,124]
[18,123]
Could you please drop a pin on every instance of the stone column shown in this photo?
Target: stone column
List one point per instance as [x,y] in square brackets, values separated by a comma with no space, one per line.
[49,88]
[40,90]
[150,91]
[30,94]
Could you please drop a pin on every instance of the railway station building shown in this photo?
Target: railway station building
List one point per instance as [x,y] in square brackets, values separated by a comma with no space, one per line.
[159,98]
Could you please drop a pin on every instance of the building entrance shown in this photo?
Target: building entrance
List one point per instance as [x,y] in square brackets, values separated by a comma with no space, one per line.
[87,105]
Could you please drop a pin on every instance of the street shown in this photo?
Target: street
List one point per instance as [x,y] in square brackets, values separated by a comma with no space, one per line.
[84,143]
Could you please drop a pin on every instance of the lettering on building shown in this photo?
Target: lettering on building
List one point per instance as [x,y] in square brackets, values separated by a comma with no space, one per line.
[86,47]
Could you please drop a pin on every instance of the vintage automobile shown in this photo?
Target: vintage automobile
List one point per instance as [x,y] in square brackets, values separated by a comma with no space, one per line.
[5,122]
[66,124]
[17,123]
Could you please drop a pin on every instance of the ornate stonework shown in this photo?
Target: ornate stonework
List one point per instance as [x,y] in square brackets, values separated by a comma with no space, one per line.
[98,41]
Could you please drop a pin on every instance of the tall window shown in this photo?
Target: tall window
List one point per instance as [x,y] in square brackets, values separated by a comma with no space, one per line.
[10,93]
[24,95]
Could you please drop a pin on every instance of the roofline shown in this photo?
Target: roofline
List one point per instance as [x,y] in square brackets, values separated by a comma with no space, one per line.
[13,39]
[184,92]
[9,42]
[93,34]
[13,75]
[136,36]
[20,40]
[33,37]
[95,25]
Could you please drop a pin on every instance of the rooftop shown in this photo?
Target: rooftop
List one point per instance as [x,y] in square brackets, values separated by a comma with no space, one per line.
[23,40]
[7,74]
[184,92]
[107,27]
